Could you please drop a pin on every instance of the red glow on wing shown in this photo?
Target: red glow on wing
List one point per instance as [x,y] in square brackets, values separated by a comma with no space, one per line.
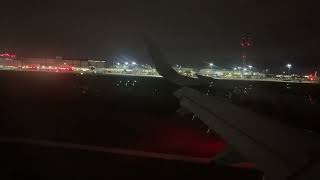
[182,140]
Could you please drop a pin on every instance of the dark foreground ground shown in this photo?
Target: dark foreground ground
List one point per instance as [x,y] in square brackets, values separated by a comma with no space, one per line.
[131,114]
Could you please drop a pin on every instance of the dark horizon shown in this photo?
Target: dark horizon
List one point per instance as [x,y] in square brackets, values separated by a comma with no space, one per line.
[190,32]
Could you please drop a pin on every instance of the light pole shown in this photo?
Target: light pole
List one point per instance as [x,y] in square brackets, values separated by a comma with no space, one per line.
[134,67]
[289,68]
[234,71]
[211,67]
[250,68]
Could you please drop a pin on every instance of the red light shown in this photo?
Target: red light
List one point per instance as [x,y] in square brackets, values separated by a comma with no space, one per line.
[311,77]
[7,55]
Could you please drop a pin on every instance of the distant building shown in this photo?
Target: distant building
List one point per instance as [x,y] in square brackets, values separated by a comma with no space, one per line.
[214,72]
[185,71]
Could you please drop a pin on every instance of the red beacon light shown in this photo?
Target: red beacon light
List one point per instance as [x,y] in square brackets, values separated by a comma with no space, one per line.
[311,77]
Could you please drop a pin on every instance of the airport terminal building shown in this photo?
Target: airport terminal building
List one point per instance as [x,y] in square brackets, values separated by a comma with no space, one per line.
[58,61]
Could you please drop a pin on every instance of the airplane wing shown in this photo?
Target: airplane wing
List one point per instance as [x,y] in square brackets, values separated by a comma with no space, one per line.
[276,149]
[280,151]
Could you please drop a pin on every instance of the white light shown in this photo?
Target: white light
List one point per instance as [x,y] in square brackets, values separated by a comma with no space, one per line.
[118,63]
[235,69]
[134,63]
[96,61]
[211,64]
[245,69]
[250,66]
[81,73]
[289,66]
[126,63]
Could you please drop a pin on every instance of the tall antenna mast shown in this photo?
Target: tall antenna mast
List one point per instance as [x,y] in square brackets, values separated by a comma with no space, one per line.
[245,45]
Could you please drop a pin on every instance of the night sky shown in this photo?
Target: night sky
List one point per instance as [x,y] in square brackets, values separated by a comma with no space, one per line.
[190,32]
